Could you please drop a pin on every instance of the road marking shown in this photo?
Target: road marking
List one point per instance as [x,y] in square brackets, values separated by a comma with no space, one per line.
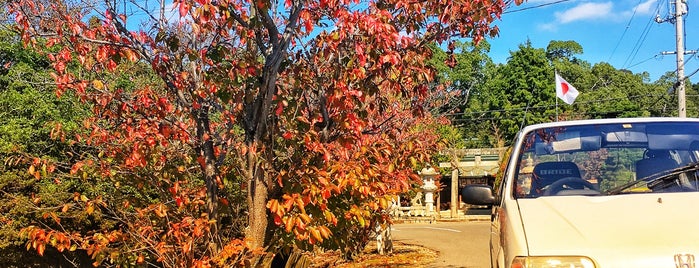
[431,228]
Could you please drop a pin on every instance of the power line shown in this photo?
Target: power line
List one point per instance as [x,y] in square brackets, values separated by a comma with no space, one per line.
[690,75]
[628,25]
[658,106]
[654,106]
[643,61]
[639,42]
[540,107]
[684,63]
[537,6]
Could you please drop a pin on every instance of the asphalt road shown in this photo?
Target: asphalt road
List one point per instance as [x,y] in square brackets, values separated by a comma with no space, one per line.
[460,244]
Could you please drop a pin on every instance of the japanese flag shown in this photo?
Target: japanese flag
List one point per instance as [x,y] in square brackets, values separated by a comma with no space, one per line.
[565,90]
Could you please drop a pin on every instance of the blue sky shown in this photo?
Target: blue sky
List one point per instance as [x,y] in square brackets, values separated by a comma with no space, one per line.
[600,26]
[621,32]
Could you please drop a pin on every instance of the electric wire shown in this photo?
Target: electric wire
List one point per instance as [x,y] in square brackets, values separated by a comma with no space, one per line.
[690,75]
[639,43]
[684,64]
[628,25]
[658,106]
[503,113]
[537,6]
[544,107]
[643,61]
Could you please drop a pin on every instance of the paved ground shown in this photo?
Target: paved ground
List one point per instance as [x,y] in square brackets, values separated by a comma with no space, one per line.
[460,244]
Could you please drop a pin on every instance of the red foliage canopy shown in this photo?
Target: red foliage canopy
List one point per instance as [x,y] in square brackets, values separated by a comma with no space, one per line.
[318,106]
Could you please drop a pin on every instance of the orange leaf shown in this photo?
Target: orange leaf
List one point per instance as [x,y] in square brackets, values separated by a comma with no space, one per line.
[273,205]
[202,161]
[325,232]
[160,210]
[40,248]
[289,223]
[316,234]
[224,201]
[76,167]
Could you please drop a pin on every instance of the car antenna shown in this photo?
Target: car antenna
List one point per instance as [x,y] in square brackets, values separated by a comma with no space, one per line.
[524,117]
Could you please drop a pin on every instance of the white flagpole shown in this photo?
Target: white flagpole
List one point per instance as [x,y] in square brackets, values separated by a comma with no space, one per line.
[556,109]
[555,90]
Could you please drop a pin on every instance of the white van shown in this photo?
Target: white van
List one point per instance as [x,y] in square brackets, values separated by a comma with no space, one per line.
[597,193]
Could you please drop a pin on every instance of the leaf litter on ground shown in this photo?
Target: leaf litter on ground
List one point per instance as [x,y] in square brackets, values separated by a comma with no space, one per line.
[404,255]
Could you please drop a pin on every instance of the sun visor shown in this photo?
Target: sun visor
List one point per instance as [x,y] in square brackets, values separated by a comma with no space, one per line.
[671,142]
[670,138]
[626,137]
[569,142]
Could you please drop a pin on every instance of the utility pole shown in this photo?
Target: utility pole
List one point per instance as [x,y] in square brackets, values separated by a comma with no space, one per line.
[676,18]
[680,10]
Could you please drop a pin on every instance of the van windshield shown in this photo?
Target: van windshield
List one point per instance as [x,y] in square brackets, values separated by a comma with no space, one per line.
[594,159]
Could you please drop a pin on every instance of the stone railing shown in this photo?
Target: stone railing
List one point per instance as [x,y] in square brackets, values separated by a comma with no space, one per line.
[417,210]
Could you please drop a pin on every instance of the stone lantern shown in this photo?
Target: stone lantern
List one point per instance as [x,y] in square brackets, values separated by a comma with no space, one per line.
[428,175]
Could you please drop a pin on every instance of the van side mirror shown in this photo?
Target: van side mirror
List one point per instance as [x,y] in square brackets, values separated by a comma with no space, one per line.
[478,194]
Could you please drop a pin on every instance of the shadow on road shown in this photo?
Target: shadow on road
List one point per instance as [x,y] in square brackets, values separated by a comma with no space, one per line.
[482,211]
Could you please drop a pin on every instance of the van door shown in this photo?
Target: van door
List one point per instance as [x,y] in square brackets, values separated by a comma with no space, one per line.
[496,221]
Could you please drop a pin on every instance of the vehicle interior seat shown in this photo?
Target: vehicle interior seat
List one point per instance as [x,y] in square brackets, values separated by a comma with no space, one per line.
[649,166]
[548,172]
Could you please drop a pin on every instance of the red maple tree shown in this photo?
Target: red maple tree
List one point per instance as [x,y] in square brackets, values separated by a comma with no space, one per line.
[314,109]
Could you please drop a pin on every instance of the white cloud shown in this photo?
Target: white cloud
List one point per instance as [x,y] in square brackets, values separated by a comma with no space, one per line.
[585,11]
[642,9]
[645,7]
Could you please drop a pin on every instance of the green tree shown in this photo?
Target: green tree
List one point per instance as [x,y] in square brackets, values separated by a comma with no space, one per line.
[516,93]
[462,80]
[610,93]
[563,50]
[464,76]
[666,91]
[521,91]
[30,111]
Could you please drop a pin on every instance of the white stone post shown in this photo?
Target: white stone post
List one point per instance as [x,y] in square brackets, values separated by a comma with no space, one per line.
[428,187]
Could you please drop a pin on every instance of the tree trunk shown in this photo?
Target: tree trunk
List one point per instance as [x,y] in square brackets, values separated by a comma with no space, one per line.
[210,172]
[259,139]
[258,193]
[206,150]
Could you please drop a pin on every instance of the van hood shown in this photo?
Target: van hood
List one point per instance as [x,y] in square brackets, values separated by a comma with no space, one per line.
[629,230]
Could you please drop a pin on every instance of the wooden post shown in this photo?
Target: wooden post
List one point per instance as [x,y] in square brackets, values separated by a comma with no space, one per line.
[439,203]
[454,193]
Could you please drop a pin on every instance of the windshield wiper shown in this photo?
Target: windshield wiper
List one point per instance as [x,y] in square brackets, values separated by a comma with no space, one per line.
[657,177]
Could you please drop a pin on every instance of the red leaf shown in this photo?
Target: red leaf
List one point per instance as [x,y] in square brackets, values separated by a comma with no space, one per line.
[202,161]
[76,167]
[280,109]
[184,8]
[277,220]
